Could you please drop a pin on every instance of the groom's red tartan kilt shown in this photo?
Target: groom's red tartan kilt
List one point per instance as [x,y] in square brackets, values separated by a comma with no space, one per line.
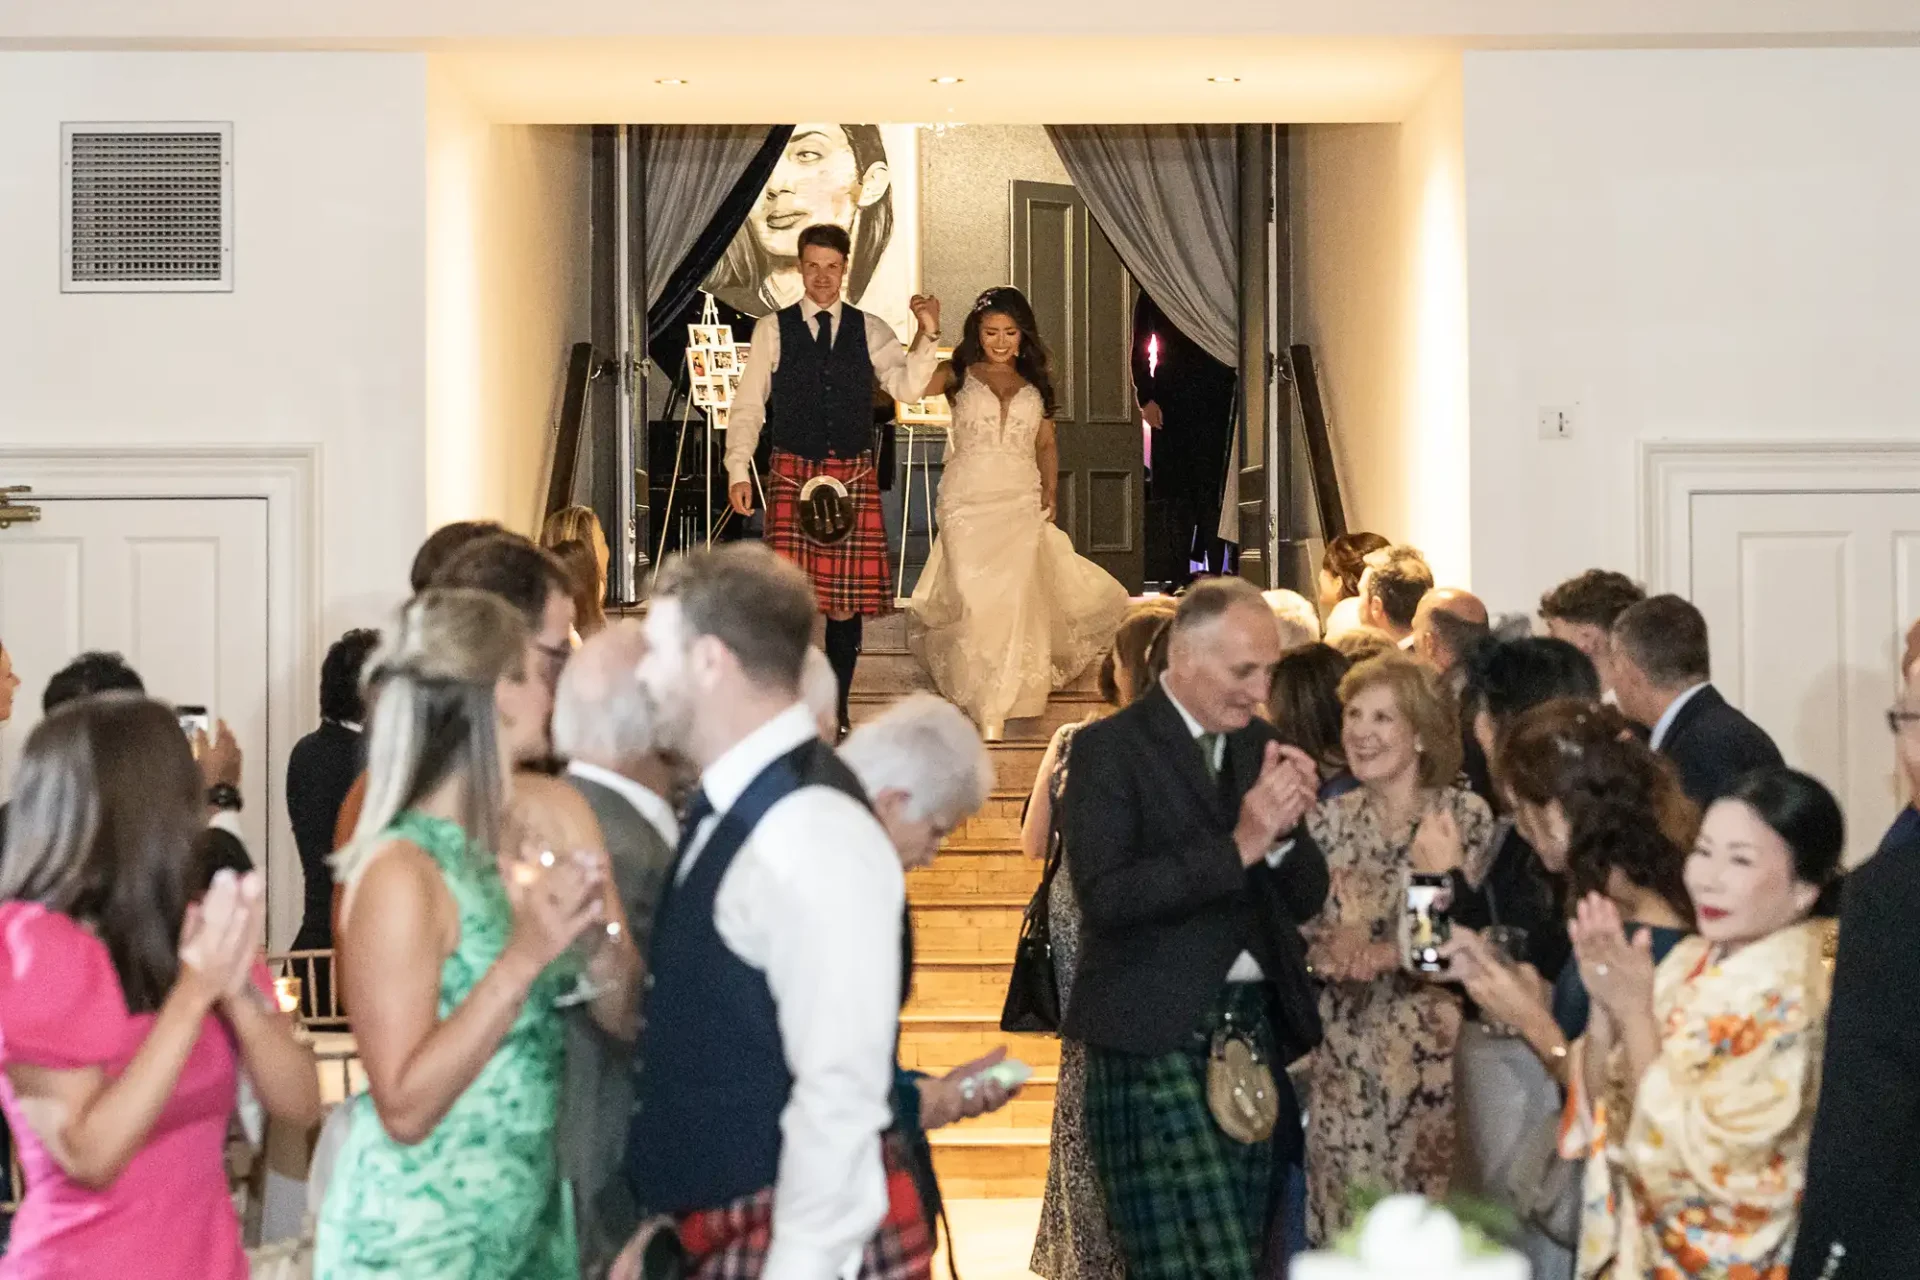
[732,1243]
[854,575]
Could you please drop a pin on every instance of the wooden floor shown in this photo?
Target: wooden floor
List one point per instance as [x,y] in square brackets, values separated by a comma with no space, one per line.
[993,1238]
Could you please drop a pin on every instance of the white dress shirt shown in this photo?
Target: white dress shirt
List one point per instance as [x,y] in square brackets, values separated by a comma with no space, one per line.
[903,374]
[1245,967]
[813,900]
[651,806]
[1664,725]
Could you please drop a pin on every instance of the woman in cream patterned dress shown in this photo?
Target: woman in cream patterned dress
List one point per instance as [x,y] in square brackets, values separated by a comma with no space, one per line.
[1075,1241]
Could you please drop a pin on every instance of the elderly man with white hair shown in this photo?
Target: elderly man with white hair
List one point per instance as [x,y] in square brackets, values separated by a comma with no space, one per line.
[602,726]
[926,771]
[1294,617]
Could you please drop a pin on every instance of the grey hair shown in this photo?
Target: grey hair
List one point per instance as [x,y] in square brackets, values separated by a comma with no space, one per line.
[819,686]
[926,747]
[599,710]
[1297,621]
[1207,600]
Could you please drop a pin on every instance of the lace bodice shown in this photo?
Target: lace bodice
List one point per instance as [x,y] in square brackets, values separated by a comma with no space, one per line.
[981,424]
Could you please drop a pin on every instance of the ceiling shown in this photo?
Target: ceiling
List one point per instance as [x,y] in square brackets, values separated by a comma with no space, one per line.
[1058,80]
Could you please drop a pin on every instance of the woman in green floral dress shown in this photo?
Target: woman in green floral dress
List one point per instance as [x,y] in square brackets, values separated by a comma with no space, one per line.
[449,969]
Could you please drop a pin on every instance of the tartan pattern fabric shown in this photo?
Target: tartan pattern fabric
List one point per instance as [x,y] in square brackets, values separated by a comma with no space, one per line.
[731,1243]
[1185,1200]
[854,575]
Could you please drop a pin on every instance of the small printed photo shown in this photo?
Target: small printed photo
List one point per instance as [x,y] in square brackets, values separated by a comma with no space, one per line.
[722,360]
[703,392]
[741,350]
[716,335]
[733,385]
[720,419]
[697,360]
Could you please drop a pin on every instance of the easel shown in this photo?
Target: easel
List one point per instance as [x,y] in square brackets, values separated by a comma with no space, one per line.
[711,393]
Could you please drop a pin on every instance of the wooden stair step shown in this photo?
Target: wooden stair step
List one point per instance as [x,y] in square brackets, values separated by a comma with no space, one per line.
[982,1164]
[937,1042]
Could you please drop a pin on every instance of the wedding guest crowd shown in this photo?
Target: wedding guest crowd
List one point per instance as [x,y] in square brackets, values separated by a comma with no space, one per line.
[623,941]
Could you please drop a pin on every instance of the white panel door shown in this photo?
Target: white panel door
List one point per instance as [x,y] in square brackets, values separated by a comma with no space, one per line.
[177,586]
[1807,596]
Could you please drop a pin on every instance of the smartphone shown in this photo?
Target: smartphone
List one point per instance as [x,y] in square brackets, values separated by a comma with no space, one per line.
[1008,1073]
[194,720]
[1428,924]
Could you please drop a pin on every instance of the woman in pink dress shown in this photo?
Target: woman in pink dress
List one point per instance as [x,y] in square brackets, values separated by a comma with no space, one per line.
[125,1013]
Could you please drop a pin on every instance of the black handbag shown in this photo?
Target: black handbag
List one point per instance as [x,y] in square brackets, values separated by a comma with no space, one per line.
[1033,993]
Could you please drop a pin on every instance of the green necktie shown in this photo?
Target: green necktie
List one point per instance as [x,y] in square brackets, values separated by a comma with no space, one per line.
[1209,753]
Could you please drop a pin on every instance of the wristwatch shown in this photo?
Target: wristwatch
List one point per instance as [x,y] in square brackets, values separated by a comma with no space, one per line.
[224,795]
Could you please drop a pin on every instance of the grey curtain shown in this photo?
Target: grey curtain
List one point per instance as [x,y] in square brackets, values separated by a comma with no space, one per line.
[1167,196]
[689,172]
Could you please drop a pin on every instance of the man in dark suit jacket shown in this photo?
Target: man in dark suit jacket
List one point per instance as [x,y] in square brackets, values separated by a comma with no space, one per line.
[601,725]
[1660,673]
[1176,815]
[1862,1208]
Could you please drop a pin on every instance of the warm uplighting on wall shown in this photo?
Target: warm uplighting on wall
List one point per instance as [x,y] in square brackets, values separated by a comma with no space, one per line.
[671,81]
[948,80]
[1223,79]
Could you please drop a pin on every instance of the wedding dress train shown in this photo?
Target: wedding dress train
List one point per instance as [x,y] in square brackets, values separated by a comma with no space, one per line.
[1005,611]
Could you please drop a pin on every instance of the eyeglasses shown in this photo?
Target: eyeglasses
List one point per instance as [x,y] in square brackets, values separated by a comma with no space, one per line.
[1898,718]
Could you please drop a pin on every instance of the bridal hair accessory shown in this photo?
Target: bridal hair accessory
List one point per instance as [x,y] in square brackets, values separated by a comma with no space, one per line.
[826,510]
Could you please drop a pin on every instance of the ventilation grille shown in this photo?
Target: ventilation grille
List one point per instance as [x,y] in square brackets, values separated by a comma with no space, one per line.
[147,208]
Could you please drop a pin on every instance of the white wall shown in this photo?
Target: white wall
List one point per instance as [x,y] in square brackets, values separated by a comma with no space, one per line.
[507,275]
[1379,293]
[321,340]
[1714,245]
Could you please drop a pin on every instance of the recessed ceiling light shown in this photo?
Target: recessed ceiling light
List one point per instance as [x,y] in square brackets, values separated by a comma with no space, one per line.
[670,81]
[948,80]
[1223,79]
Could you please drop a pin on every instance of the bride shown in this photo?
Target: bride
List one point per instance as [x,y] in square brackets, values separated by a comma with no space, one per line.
[1005,612]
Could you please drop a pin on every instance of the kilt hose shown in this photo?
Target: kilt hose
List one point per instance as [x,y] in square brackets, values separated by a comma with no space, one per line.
[854,575]
[1186,1201]
[731,1243]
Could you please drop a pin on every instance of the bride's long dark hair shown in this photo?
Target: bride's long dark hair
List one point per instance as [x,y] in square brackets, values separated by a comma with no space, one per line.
[1031,361]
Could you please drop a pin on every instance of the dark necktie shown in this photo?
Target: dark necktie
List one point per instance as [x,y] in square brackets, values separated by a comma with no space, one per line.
[823,330]
[699,809]
[1209,743]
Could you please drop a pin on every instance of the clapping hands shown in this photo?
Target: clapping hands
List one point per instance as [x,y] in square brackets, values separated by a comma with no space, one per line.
[221,935]
[1618,974]
[1274,805]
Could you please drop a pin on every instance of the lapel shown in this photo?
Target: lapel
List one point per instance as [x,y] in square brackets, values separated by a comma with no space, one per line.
[1169,735]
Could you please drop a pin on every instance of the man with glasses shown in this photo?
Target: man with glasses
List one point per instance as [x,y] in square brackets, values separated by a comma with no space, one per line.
[534,583]
[1861,1216]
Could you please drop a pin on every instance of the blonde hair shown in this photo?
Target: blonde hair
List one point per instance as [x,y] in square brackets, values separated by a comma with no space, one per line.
[1428,707]
[569,524]
[434,717]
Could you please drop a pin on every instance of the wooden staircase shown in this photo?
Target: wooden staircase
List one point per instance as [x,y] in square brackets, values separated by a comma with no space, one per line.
[967,909]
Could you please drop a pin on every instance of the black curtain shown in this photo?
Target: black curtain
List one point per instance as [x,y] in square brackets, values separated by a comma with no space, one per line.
[668,348]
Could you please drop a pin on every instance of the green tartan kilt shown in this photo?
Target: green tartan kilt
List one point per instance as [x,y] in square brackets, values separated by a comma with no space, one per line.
[1186,1201]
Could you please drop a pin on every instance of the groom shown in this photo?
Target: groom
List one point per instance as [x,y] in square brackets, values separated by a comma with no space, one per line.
[809,380]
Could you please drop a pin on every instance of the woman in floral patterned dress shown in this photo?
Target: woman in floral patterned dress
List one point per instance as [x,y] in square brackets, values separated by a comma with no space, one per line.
[1380,1093]
[1696,1082]
[1075,1241]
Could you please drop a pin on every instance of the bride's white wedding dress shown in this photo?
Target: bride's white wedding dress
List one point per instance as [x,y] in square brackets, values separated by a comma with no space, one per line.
[1005,611]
